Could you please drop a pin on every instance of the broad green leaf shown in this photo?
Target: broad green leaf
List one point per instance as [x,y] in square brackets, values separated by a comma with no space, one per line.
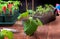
[23,15]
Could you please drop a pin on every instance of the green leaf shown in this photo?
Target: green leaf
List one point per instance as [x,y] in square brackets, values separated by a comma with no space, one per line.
[16,3]
[30,26]
[1,36]
[23,15]
[39,22]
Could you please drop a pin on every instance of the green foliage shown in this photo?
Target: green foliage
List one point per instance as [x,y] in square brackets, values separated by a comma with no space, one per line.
[1,7]
[5,3]
[45,9]
[16,2]
[1,36]
[0,0]
[31,12]
[7,33]
[23,15]
[30,26]
[39,22]
[40,9]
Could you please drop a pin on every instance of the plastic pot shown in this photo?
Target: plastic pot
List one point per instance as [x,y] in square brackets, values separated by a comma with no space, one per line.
[16,13]
[9,18]
[1,18]
[46,17]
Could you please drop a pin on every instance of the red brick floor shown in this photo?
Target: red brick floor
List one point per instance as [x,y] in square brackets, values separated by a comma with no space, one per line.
[51,30]
[48,31]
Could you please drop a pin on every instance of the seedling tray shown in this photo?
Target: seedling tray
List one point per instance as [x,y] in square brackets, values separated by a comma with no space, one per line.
[7,20]
[1,18]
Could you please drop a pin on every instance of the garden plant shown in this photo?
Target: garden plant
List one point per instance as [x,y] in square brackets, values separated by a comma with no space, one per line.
[45,14]
[32,19]
[9,11]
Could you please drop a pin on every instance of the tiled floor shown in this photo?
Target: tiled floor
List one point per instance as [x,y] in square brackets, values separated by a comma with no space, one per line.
[48,31]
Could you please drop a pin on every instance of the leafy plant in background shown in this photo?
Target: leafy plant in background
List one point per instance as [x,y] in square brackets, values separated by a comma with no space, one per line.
[39,8]
[16,3]
[42,9]
[31,12]
[45,9]
[49,7]
[5,3]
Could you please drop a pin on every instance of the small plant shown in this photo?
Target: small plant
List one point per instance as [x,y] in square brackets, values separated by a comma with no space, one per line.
[45,9]
[23,15]
[30,25]
[16,3]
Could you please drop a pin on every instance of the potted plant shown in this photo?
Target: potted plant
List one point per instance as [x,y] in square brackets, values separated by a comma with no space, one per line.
[16,12]
[12,16]
[8,17]
[30,25]
[45,14]
[15,9]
